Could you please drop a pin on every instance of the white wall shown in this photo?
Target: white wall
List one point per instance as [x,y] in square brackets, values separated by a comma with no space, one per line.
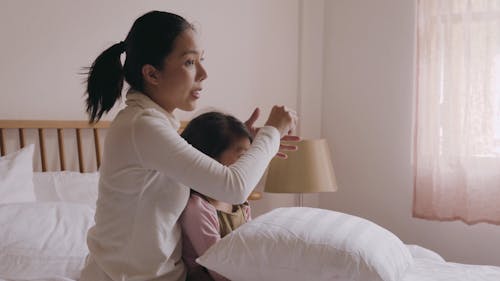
[251,52]
[367,114]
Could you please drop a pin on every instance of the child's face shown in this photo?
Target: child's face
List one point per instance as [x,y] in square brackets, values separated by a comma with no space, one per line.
[234,152]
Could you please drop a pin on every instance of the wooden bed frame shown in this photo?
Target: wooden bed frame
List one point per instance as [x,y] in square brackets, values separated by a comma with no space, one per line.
[61,126]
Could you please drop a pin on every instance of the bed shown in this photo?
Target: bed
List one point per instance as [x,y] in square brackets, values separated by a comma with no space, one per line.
[46,209]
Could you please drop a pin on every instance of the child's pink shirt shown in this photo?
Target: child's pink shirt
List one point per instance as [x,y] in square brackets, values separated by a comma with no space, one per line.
[200,230]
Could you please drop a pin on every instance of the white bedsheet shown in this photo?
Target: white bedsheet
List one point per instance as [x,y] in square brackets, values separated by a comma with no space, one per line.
[432,270]
[43,240]
[423,270]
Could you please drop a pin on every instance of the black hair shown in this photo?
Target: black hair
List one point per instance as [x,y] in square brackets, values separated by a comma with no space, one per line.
[214,132]
[149,41]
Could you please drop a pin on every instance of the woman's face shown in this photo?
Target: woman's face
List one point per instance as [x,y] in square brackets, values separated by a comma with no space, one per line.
[179,83]
[234,152]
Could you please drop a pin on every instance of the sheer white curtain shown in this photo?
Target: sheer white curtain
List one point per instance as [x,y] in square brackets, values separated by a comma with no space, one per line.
[457,129]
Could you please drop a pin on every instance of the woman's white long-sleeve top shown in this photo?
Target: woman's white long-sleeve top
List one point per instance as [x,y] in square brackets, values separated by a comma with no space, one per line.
[145,177]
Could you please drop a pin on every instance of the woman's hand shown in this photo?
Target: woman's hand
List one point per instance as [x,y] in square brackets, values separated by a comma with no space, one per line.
[288,138]
[283,119]
[250,122]
[287,147]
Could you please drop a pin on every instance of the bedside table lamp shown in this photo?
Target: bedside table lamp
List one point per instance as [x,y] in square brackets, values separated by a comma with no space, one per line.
[307,170]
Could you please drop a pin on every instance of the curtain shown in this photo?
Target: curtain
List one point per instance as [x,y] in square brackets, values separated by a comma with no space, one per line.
[456,156]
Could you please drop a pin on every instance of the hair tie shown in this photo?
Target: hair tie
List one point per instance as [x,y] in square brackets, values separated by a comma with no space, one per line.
[122,45]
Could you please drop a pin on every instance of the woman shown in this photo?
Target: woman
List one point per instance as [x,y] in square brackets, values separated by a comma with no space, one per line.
[148,169]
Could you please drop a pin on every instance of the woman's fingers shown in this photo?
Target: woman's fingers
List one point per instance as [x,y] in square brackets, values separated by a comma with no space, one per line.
[255,115]
[288,147]
[281,155]
[282,118]
[290,138]
[250,122]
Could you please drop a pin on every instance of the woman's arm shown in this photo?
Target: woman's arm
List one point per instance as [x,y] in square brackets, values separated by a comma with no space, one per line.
[161,148]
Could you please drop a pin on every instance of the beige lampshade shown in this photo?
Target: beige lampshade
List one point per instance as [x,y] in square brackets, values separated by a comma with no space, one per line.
[309,169]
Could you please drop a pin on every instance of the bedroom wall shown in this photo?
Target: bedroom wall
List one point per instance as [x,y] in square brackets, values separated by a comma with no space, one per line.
[45,46]
[367,118]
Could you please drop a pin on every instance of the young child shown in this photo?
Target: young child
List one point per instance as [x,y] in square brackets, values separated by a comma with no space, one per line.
[205,220]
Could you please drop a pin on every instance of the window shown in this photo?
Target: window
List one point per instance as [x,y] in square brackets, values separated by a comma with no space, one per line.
[457,129]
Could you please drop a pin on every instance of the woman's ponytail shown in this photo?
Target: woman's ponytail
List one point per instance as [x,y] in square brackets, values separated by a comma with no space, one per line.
[104,82]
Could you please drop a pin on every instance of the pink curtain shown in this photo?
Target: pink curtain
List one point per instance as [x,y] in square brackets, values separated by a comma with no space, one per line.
[457,125]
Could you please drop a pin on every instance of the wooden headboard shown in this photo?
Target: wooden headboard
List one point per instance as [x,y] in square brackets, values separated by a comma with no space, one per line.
[60,127]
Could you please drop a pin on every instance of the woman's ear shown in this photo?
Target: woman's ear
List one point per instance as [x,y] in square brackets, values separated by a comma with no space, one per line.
[150,74]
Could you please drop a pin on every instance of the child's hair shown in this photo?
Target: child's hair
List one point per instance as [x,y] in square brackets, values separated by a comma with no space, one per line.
[214,132]
[149,41]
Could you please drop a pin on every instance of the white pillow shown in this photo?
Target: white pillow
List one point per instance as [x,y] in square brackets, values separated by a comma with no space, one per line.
[308,244]
[67,186]
[16,176]
[419,252]
[43,239]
